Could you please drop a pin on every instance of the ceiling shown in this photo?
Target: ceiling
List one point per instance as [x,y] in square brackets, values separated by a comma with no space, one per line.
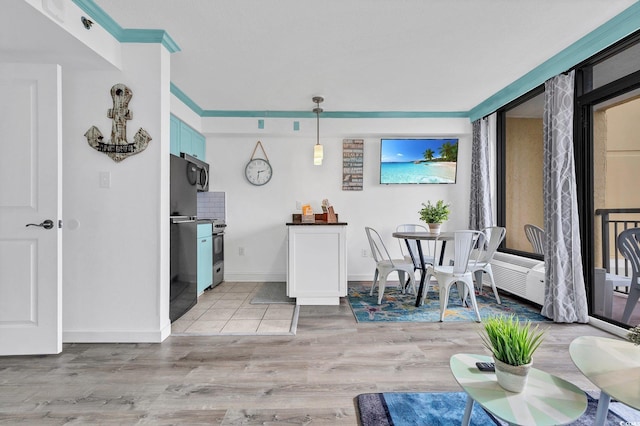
[361,55]
[29,36]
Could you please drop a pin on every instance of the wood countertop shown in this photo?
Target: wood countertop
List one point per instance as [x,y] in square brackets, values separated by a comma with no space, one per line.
[320,219]
[316,223]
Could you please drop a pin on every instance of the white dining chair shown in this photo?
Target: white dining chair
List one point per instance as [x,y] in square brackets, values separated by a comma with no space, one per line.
[536,237]
[629,246]
[409,248]
[458,273]
[484,255]
[386,265]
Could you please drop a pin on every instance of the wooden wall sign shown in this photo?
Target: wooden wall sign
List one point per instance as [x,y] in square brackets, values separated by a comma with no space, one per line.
[352,164]
[118,148]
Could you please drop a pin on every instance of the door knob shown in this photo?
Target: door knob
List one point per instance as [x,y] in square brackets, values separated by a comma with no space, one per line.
[47,224]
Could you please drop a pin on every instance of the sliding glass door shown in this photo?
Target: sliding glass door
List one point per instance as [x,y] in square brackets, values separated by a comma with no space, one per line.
[608,167]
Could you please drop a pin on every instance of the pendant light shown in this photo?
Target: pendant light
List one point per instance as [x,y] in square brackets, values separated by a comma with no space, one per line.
[318,151]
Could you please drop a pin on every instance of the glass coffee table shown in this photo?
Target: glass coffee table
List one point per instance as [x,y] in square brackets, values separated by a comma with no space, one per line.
[546,400]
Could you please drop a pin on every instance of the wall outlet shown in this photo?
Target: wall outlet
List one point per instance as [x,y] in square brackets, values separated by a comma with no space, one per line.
[365,253]
[241,251]
[298,205]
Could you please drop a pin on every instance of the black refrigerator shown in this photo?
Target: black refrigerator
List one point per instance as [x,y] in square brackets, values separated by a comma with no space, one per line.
[184,237]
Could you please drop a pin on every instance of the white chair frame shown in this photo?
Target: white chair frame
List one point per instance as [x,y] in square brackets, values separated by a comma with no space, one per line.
[536,237]
[629,246]
[386,265]
[458,273]
[487,250]
[410,252]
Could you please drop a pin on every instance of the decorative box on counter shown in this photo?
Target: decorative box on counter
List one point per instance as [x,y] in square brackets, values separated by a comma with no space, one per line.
[307,214]
[319,217]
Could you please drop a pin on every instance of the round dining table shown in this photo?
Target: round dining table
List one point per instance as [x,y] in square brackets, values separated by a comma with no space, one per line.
[419,262]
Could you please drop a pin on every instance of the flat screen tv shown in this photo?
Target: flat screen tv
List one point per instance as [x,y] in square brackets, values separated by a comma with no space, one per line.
[427,160]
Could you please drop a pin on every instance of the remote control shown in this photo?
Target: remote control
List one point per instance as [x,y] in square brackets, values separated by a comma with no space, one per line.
[485,366]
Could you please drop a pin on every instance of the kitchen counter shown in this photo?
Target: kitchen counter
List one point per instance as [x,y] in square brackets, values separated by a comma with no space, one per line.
[317,262]
[320,219]
[316,223]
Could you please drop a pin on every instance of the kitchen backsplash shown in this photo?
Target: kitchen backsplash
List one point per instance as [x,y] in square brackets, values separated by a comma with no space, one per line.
[212,205]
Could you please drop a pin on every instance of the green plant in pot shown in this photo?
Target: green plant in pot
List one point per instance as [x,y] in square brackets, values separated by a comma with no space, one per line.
[512,345]
[434,214]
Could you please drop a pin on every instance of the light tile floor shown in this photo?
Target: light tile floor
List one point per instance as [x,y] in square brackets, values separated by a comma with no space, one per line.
[227,310]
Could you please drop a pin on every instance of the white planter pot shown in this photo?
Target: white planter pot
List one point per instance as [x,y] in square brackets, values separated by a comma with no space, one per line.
[510,377]
[434,228]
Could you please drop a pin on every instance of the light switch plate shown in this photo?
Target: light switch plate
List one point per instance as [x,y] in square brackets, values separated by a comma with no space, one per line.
[105,180]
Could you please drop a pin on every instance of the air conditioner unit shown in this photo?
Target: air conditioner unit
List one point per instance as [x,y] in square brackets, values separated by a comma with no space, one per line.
[535,284]
[521,276]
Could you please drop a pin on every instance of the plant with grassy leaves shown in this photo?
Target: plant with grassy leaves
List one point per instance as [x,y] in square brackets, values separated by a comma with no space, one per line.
[509,340]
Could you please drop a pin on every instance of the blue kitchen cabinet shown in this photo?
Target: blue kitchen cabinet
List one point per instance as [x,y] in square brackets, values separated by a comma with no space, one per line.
[198,145]
[175,136]
[205,257]
[185,139]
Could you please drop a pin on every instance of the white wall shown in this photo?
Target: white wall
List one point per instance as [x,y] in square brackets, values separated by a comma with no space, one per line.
[116,240]
[256,216]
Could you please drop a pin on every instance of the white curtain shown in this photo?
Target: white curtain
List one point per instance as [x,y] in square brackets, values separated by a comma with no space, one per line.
[565,297]
[480,205]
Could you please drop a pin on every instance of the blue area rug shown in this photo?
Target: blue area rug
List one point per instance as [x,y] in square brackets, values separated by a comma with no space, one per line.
[400,307]
[447,408]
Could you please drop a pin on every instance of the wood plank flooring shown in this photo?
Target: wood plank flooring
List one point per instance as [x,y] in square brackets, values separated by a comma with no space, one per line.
[309,378]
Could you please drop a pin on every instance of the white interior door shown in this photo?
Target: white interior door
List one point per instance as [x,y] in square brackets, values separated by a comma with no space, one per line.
[30,193]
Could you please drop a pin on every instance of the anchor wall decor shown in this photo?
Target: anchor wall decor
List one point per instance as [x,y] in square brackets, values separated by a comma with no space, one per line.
[118,148]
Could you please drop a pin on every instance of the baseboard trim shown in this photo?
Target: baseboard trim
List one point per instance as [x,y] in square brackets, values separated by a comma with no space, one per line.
[240,277]
[116,336]
[608,327]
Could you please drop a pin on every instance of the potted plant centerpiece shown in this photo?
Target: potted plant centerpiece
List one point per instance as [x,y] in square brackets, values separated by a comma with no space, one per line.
[434,214]
[512,344]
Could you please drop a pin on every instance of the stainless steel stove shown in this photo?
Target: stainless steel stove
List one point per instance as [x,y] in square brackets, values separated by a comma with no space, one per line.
[218,227]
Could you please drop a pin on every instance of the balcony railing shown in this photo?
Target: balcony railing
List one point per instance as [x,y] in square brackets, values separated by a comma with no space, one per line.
[613,222]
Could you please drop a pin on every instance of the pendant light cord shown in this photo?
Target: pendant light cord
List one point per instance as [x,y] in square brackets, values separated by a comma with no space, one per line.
[317,110]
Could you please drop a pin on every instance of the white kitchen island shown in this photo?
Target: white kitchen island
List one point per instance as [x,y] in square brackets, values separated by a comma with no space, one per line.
[317,262]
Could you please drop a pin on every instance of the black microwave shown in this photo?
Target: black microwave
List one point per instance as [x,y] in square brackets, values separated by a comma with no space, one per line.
[200,175]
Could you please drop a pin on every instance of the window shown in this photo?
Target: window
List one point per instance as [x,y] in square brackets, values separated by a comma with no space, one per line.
[520,150]
[607,151]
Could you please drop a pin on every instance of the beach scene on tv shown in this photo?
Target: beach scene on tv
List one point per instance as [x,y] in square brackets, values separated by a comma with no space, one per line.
[418,160]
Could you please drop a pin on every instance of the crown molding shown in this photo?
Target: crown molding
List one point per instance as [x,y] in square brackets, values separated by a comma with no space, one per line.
[618,27]
[123,35]
[149,36]
[335,114]
[100,17]
[175,90]
[610,32]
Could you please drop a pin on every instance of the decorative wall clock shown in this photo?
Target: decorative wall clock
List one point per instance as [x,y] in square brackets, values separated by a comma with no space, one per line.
[258,171]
